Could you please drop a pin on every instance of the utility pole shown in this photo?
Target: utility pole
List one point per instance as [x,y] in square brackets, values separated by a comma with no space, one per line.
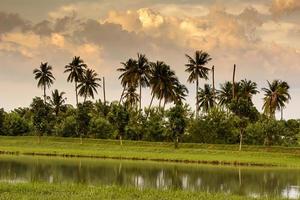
[213,80]
[103,86]
[233,82]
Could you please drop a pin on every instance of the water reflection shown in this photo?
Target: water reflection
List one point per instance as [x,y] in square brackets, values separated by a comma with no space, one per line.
[253,182]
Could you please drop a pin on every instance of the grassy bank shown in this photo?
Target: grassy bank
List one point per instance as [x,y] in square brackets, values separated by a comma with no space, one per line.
[60,192]
[198,153]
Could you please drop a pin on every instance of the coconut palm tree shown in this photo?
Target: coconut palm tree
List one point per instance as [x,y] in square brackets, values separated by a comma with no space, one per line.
[225,94]
[57,100]
[76,70]
[196,68]
[44,76]
[142,72]
[206,98]
[276,97]
[88,84]
[131,97]
[163,83]
[181,92]
[247,89]
[128,76]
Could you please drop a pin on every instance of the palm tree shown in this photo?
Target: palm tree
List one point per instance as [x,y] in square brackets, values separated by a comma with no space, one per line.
[76,70]
[206,98]
[44,76]
[181,92]
[247,89]
[276,97]
[128,77]
[142,73]
[57,100]
[88,84]
[196,69]
[225,94]
[130,96]
[163,83]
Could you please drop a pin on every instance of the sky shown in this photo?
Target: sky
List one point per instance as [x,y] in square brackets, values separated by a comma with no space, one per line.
[262,37]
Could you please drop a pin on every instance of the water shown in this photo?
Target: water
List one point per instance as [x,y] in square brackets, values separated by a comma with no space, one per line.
[256,182]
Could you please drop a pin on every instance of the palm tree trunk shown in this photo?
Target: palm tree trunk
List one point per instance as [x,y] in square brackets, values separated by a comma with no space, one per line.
[197,99]
[233,82]
[164,105]
[44,93]
[160,102]
[281,113]
[76,93]
[84,98]
[122,95]
[150,105]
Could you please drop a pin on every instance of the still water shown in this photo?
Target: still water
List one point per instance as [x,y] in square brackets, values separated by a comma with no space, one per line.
[271,182]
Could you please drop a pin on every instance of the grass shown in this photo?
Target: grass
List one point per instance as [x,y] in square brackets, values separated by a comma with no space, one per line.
[197,153]
[26,191]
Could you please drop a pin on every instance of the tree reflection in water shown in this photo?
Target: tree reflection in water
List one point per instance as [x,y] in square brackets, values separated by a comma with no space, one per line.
[234,180]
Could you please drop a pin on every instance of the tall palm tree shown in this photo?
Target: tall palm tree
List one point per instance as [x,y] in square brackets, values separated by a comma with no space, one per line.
[163,83]
[247,89]
[196,68]
[206,98]
[57,100]
[44,76]
[76,70]
[128,76]
[88,84]
[143,73]
[180,91]
[276,97]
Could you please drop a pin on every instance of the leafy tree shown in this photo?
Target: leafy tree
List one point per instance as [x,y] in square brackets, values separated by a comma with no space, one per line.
[177,122]
[15,125]
[42,117]
[245,112]
[66,127]
[76,71]
[83,118]
[119,117]
[2,114]
[99,127]
[276,97]
[196,69]
[154,126]
[225,94]
[88,84]
[215,127]
[206,98]
[44,76]
[131,97]
[57,101]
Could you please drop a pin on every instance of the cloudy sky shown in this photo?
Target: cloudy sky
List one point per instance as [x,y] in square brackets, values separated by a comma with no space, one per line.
[262,37]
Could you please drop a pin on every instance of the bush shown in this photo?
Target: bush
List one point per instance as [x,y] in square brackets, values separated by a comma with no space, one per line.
[100,128]
[215,127]
[67,127]
[15,125]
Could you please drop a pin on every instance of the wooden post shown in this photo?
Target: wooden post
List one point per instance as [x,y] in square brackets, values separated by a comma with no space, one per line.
[233,82]
[103,85]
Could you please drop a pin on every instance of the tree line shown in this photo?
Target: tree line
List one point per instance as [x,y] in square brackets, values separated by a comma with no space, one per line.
[224,115]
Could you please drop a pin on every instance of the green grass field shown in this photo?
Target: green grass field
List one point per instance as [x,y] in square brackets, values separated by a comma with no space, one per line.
[44,191]
[198,153]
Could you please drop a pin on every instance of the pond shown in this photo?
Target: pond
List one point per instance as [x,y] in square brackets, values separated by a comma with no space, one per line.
[256,182]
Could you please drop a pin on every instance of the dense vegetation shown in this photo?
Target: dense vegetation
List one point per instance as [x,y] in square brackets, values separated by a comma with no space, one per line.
[223,116]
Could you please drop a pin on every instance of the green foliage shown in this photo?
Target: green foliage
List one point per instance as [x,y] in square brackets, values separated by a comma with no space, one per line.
[15,125]
[42,116]
[177,122]
[99,127]
[119,117]
[2,114]
[67,127]
[154,126]
[215,127]
[83,118]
